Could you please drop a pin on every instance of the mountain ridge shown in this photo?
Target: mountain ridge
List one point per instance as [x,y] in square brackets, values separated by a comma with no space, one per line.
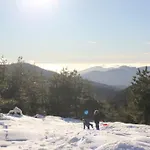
[31,68]
[121,76]
[102,91]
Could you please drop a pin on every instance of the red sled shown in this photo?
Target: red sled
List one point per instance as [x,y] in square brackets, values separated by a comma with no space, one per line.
[105,124]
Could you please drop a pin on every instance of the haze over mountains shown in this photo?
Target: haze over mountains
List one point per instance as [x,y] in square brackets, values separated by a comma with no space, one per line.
[116,77]
[121,76]
[101,91]
[106,83]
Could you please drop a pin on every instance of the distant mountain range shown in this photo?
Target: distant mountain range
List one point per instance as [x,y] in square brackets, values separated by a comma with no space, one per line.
[121,76]
[102,91]
[106,84]
[95,68]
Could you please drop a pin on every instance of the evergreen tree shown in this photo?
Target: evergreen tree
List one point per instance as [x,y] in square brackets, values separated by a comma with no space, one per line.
[67,92]
[3,76]
[140,98]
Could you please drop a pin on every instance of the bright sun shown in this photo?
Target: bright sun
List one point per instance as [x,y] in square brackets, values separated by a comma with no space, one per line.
[36,5]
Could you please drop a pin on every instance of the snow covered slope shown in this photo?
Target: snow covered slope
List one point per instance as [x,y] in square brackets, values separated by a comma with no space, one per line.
[55,133]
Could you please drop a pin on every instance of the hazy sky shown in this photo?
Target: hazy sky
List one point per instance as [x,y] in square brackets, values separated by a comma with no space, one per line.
[76,31]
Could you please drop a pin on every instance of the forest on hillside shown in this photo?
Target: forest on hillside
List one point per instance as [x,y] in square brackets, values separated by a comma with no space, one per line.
[67,94]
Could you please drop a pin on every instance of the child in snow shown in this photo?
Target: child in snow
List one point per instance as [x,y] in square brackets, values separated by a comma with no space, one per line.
[86,123]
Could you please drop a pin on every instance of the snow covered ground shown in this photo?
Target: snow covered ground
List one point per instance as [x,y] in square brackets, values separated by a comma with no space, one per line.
[55,133]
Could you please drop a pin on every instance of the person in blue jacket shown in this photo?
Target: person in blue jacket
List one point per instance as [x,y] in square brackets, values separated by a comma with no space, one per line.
[86,120]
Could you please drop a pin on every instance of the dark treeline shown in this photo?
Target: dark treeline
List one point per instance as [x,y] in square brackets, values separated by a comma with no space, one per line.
[66,94]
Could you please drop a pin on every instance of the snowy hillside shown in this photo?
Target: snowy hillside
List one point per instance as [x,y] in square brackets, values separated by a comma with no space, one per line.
[55,133]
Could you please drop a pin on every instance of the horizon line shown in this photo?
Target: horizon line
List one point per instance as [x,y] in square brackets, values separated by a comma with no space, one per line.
[57,67]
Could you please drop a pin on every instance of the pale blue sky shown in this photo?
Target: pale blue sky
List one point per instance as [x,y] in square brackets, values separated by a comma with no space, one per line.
[76,31]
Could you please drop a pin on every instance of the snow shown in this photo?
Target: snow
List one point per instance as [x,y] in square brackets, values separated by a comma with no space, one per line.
[56,133]
[15,112]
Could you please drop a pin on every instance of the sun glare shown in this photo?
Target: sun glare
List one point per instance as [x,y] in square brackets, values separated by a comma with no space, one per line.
[36,5]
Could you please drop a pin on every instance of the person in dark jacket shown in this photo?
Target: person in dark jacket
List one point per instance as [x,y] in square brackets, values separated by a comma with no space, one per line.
[96,119]
[86,123]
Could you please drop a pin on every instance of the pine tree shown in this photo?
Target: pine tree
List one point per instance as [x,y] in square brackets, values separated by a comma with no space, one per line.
[3,76]
[140,99]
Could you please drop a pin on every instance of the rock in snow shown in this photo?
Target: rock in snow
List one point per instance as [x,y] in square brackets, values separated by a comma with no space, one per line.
[15,112]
